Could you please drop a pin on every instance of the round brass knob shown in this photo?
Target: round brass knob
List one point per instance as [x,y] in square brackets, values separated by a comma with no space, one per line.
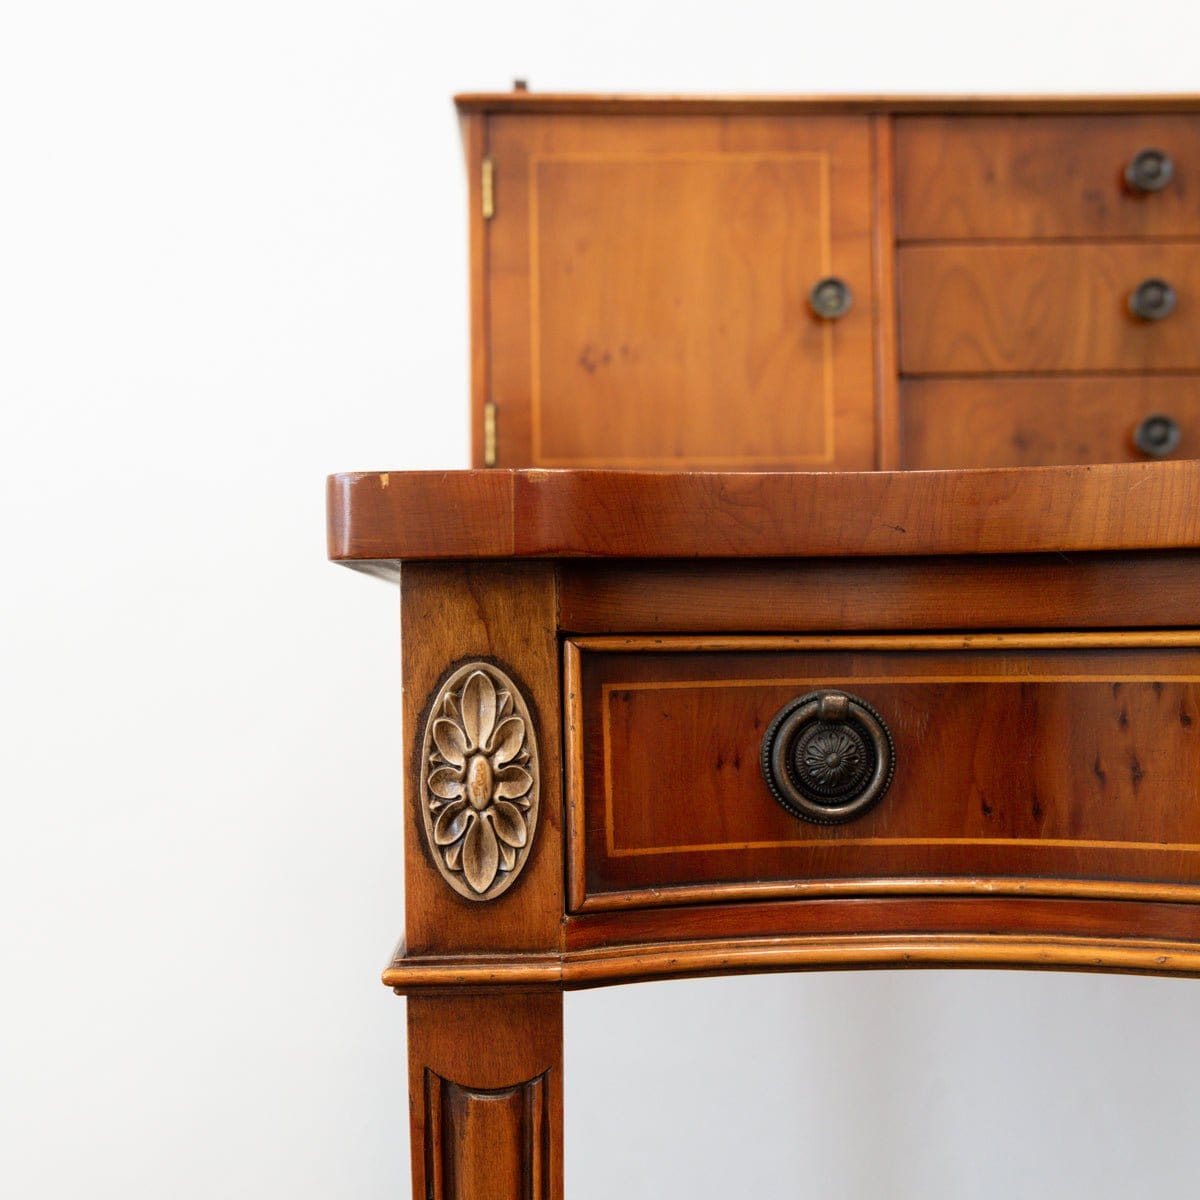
[1152,300]
[827,757]
[1157,435]
[1149,170]
[831,298]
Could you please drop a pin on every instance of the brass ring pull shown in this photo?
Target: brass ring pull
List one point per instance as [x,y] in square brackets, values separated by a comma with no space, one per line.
[827,757]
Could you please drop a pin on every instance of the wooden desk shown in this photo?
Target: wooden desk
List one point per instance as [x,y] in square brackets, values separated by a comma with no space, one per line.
[621,688]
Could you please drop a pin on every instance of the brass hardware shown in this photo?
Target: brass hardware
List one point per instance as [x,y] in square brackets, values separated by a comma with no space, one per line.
[1149,171]
[479,781]
[1152,300]
[830,298]
[487,189]
[489,435]
[1157,435]
[827,757]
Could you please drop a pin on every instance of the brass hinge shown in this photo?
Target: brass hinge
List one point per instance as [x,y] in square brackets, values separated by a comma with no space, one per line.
[489,435]
[487,189]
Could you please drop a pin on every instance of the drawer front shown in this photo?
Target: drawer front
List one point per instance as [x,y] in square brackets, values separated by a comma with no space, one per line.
[977,309]
[1040,422]
[1042,761]
[1047,177]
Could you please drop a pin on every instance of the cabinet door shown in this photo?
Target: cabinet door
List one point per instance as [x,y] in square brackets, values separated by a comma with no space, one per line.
[648,289]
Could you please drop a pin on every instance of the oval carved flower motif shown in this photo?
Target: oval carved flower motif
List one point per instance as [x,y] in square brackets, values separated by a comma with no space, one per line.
[479,781]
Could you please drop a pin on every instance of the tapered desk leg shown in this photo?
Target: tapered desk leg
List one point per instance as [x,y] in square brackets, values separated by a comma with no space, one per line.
[485,1095]
[483,877]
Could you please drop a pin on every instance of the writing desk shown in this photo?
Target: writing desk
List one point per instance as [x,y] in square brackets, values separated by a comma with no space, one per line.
[679,724]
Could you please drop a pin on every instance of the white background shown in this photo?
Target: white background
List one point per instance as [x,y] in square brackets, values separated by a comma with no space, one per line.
[232,259]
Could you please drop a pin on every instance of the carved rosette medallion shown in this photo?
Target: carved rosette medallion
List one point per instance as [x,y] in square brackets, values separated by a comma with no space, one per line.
[479,781]
[832,759]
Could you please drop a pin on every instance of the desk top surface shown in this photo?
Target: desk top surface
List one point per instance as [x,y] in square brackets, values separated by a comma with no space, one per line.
[393,516]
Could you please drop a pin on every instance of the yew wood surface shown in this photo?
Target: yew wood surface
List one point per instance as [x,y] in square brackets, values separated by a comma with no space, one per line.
[822,934]
[648,283]
[887,408]
[1037,422]
[1055,591]
[581,103]
[978,308]
[485,1096]
[874,916]
[1042,177]
[1066,763]
[548,514]
[503,613]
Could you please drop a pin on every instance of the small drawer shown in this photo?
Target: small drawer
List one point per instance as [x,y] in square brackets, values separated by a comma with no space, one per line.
[1042,421]
[1117,306]
[1052,758]
[1047,177]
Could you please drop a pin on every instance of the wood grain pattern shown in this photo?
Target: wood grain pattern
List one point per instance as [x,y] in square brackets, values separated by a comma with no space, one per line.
[887,448]
[485,1080]
[486,1143]
[1038,422]
[1042,177]
[964,917]
[1005,922]
[981,889]
[1077,591]
[445,514]
[626,333]
[741,956]
[1081,763]
[503,614]
[969,309]
[1143,639]
[668,958]
[566,514]
[576,823]
[473,129]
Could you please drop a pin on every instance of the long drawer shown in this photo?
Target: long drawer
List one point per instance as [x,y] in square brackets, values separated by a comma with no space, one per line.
[1041,421]
[1056,764]
[971,309]
[960,177]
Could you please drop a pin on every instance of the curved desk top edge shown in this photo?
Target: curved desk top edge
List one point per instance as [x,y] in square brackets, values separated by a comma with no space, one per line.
[380,517]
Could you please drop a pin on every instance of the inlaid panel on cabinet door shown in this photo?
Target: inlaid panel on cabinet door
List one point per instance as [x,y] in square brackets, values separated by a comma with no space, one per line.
[649,286]
[1015,761]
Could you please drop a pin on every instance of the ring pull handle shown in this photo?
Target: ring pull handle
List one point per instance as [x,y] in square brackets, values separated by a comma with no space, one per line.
[1152,300]
[827,757]
[831,298]
[1157,435]
[1149,170]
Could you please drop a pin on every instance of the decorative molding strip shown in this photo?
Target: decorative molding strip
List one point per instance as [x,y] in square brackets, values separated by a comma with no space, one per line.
[486,1142]
[632,963]
[479,781]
